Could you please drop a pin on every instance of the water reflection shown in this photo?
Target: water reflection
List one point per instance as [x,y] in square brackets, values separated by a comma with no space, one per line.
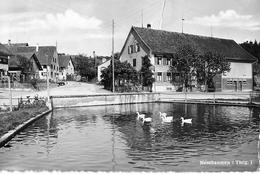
[111,138]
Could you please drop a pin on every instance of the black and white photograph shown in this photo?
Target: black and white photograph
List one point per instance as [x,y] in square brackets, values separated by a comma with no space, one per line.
[130,86]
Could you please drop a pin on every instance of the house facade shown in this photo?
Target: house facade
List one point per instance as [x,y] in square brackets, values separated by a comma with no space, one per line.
[160,46]
[49,61]
[101,67]
[4,56]
[66,67]
[23,64]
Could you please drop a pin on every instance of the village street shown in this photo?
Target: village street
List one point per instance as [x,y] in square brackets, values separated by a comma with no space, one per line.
[71,88]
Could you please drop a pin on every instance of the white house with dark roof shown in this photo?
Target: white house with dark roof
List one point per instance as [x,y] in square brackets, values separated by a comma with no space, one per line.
[66,67]
[48,58]
[17,65]
[160,46]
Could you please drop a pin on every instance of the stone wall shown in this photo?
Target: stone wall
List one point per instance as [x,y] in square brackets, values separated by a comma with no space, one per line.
[103,99]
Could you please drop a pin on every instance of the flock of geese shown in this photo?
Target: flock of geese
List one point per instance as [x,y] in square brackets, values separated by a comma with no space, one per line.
[163,116]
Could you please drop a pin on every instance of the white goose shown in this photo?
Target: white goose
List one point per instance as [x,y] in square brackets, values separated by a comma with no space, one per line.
[167,119]
[189,121]
[162,114]
[147,120]
[140,116]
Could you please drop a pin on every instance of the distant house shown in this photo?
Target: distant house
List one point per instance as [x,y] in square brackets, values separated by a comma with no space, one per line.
[101,67]
[48,58]
[160,46]
[23,64]
[66,67]
[4,54]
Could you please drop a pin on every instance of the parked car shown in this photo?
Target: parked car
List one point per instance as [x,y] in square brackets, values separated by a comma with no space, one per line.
[61,83]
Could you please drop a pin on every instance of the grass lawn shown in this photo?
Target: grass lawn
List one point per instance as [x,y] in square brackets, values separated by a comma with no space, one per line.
[9,121]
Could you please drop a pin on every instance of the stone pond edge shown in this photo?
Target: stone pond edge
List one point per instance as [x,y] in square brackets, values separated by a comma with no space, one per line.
[10,134]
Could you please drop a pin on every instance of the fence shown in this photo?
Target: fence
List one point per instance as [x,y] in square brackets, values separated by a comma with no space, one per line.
[213,97]
[132,98]
[21,102]
[16,85]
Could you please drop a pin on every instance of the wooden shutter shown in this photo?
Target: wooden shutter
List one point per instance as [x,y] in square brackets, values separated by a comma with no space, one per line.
[164,76]
[156,60]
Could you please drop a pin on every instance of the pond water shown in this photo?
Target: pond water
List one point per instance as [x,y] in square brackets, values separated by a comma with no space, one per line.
[110,138]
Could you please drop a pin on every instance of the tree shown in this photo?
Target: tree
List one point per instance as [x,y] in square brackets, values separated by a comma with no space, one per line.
[125,76]
[209,65]
[184,63]
[146,73]
[254,49]
[26,67]
[85,66]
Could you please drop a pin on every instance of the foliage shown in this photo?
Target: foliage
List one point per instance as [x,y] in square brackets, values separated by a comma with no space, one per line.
[209,65]
[26,67]
[184,63]
[189,62]
[254,49]
[10,120]
[85,66]
[125,75]
[147,78]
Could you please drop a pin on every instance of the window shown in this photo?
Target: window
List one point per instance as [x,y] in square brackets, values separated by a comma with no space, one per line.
[159,76]
[44,66]
[51,66]
[168,61]
[229,82]
[137,47]
[51,74]
[54,67]
[159,61]
[134,62]
[169,76]
[42,73]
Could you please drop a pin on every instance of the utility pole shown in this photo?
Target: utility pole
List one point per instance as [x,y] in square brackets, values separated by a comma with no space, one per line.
[10,92]
[182,24]
[161,22]
[142,15]
[113,61]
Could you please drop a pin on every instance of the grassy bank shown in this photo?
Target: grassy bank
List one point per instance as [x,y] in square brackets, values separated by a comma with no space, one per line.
[9,121]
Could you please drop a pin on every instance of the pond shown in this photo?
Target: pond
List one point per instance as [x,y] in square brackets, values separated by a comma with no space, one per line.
[110,138]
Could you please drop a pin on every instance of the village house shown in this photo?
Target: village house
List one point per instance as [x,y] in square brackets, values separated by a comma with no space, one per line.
[24,64]
[4,55]
[160,46]
[101,67]
[48,58]
[67,68]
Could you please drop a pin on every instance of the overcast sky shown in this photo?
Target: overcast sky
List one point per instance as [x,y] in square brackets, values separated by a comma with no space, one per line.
[82,26]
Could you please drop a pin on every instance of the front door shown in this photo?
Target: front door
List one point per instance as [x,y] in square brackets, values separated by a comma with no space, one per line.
[235,85]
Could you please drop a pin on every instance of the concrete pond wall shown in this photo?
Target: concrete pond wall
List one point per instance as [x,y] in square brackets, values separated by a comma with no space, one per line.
[103,99]
[132,98]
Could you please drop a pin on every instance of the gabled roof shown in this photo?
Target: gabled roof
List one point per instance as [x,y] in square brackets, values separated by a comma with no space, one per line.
[165,42]
[4,51]
[64,60]
[23,51]
[45,54]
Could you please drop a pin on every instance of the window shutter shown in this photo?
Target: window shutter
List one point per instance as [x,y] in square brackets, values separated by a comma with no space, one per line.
[164,76]
[156,60]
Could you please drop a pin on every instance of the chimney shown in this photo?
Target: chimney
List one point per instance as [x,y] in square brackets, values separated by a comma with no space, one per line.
[9,42]
[37,47]
[149,26]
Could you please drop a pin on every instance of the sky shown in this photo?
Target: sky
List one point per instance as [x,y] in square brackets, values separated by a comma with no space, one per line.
[84,26]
